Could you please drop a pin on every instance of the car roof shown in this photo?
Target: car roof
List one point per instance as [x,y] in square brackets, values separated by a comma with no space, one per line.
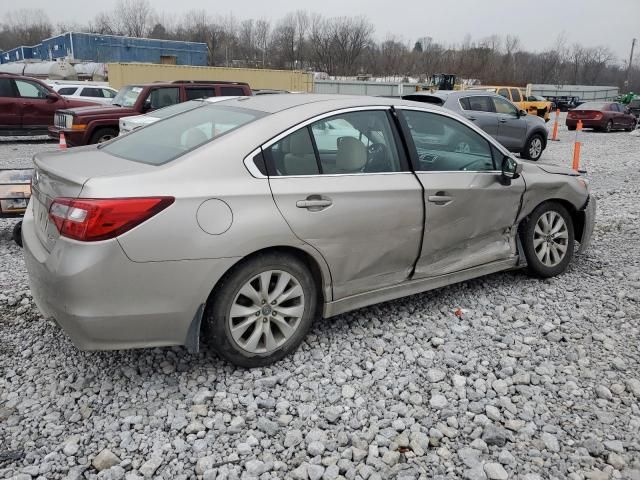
[444,94]
[286,101]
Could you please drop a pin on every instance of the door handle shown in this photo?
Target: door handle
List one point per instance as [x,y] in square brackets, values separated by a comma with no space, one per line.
[473,119]
[503,120]
[440,198]
[314,203]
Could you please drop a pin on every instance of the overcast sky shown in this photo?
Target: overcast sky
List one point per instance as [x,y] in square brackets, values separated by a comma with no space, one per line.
[538,23]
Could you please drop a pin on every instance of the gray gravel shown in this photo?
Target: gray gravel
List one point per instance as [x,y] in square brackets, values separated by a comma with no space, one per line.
[538,379]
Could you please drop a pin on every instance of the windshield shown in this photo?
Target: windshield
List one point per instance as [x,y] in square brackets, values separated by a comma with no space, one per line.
[127,96]
[171,138]
[176,109]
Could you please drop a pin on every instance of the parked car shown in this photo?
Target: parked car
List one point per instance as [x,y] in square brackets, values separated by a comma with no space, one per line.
[603,116]
[95,93]
[513,128]
[27,105]
[564,103]
[247,234]
[517,96]
[634,107]
[83,126]
[128,124]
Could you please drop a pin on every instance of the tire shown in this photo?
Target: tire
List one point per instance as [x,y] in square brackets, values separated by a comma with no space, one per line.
[533,233]
[103,135]
[609,126]
[242,348]
[16,234]
[533,147]
[571,129]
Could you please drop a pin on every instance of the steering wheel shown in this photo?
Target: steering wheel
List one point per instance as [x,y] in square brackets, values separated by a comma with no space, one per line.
[377,158]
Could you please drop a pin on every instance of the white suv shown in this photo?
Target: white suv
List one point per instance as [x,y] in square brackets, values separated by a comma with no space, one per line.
[95,93]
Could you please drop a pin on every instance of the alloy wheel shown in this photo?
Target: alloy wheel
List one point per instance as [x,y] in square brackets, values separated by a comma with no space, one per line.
[535,148]
[105,138]
[266,311]
[550,238]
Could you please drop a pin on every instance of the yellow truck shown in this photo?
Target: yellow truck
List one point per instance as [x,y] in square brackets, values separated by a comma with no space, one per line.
[533,105]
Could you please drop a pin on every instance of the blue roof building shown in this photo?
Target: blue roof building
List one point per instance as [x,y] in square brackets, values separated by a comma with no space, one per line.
[91,47]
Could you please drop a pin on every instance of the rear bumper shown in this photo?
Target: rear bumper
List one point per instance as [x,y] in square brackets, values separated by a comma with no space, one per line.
[73,137]
[589,224]
[586,123]
[104,301]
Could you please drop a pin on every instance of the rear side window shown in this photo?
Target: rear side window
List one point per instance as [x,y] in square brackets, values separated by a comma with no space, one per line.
[67,90]
[294,155]
[171,138]
[195,93]
[477,103]
[614,107]
[515,95]
[504,92]
[6,89]
[91,92]
[232,91]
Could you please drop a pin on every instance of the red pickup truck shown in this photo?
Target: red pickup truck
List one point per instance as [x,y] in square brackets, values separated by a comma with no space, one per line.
[96,124]
[27,105]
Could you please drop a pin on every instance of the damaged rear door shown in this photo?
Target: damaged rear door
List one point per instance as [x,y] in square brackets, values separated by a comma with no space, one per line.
[343,185]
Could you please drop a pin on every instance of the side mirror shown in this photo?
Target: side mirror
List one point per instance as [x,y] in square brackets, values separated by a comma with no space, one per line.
[511,169]
[146,106]
[522,113]
[52,97]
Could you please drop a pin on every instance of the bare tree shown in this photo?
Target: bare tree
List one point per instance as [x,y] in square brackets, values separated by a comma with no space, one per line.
[26,27]
[134,18]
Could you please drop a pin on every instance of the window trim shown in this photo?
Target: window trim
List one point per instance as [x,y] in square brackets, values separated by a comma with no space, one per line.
[405,165]
[407,135]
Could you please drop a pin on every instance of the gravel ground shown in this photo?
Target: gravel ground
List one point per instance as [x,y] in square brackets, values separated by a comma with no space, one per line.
[537,379]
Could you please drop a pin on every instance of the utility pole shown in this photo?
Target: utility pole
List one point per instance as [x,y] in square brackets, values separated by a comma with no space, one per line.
[633,46]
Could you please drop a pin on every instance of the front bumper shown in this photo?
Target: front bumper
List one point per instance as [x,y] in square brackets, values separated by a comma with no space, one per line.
[104,301]
[589,224]
[73,137]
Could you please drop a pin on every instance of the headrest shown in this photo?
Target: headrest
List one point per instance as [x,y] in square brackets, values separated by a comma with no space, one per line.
[351,156]
[300,143]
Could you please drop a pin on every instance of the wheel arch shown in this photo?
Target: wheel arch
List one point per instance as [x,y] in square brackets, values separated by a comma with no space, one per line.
[316,264]
[577,215]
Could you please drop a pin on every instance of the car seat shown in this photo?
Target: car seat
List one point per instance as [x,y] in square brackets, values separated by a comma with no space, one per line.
[301,159]
[351,156]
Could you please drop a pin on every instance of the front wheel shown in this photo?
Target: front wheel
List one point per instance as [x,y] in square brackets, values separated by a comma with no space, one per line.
[103,135]
[533,148]
[548,240]
[262,310]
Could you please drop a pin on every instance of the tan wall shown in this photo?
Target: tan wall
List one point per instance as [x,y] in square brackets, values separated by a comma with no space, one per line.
[121,74]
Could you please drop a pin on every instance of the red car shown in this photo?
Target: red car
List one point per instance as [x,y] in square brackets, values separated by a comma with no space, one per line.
[603,116]
[27,105]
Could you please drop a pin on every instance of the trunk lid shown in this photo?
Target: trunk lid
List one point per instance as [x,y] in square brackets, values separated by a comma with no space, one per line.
[64,174]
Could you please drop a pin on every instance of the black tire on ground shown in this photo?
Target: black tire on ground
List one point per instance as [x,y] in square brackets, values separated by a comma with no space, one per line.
[571,129]
[103,135]
[216,320]
[16,234]
[609,126]
[535,265]
[531,153]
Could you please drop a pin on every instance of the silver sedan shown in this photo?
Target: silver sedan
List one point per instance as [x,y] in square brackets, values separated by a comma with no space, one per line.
[242,221]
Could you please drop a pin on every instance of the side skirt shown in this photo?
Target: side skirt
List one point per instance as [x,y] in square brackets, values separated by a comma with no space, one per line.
[411,287]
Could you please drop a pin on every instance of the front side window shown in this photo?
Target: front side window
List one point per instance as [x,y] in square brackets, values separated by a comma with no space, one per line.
[168,139]
[31,89]
[163,97]
[515,95]
[355,142]
[231,91]
[200,92]
[504,92]
[477,103]
[443,144]
[67,90]
[504,106]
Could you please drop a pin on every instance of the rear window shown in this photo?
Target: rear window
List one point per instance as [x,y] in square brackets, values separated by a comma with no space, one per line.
[593,106]
[171,138]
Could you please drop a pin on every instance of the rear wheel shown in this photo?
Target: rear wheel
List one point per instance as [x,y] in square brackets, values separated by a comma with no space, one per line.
[262,310]
[533,148]
[609,126]
[103,135]
[548,240]
[571,129]
[17,233]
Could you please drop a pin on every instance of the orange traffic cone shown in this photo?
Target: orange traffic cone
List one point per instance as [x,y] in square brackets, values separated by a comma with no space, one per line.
[63,142]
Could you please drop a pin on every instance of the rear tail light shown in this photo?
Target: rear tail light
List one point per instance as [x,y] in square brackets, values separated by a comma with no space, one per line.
[571,115]
[597,116]
[93,219]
